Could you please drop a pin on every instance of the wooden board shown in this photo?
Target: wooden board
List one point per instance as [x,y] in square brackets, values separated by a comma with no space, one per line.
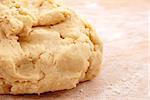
[123,26]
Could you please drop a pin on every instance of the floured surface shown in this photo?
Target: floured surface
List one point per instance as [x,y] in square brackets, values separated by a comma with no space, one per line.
[123,25]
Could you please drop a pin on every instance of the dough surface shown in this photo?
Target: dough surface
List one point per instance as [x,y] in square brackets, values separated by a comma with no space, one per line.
[44,47]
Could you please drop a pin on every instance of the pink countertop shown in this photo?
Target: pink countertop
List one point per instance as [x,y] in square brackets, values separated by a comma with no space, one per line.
[123,27]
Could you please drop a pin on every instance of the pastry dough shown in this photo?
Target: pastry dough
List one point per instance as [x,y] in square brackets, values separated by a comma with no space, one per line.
[45,46]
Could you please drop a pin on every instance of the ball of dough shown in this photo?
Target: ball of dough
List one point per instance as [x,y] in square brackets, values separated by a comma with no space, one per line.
[45,46]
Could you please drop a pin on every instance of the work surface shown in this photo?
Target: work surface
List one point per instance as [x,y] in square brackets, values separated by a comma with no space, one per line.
[123,27]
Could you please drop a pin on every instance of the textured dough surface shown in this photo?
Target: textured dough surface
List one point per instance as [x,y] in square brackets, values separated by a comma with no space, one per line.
[45,47]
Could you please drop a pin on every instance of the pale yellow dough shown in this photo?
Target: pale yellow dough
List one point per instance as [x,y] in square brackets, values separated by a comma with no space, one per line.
[45,47]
